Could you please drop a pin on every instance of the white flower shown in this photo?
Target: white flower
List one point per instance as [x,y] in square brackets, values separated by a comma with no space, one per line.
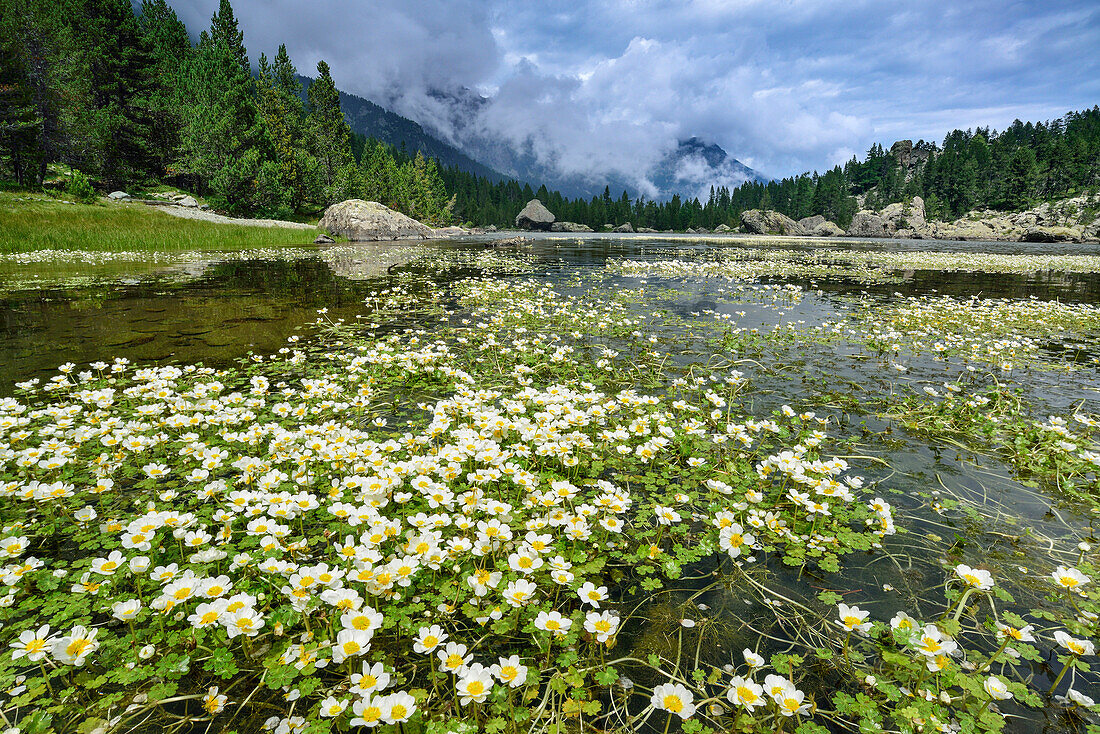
[75,647]
[368,712]
[853,618]
[1069,578]
[975,578]
[126,610]
[213,701]
[674,698]
[428,639]
[510,671]
[753,659]
[34,644]
[1079,698]
[589,593]
[453,658]
[350,643]
[474,686]
[996,688]
[332,706]
[397,707]
[1075,646]
[744,692]
[602,625]
[553,622]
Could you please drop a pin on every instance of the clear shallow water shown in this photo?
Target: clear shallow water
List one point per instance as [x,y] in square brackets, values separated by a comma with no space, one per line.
[221,310]
[216,311]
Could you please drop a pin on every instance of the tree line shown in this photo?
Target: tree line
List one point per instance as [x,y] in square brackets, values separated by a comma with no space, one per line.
[126,98]
[974,169]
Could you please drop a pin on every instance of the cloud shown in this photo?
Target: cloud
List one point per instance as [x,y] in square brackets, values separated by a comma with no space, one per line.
[590,88]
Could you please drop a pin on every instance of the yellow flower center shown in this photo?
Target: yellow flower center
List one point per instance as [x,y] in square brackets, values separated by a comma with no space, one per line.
[398,711]
[430,641]
[673,703]
[454,661]
[77,647]
[475,688]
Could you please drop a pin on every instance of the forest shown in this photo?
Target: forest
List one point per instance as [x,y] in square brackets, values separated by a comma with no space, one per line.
[128,101]
[123,97]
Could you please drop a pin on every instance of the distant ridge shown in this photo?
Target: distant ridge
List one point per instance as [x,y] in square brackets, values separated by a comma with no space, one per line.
[373,121]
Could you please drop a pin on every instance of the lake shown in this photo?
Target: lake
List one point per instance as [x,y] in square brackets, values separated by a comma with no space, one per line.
[872,417]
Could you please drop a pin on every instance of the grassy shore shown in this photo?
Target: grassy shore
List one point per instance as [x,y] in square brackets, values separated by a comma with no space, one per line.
[35,221]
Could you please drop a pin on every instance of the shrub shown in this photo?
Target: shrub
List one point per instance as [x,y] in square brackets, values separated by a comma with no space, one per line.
[80,188]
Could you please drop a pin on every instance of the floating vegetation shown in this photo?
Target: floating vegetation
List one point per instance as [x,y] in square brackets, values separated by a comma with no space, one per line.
[524,504]
[856,265]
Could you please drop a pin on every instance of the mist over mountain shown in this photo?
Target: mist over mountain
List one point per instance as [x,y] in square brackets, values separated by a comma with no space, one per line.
[465,120]
[373,121]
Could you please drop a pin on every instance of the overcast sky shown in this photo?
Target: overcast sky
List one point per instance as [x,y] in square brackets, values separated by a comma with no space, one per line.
[783,85]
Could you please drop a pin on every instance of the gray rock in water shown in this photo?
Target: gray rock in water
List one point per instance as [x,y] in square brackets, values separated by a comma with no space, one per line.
[722,229]
[624,228]
[367,221]
[608,227]
[535,216]
[569,227]
[755,221]
[323,239]
[867,224]
[811,223]
[646,230]
[1052,234]
[491,228]
[118,195]
[827,229]
[188,201]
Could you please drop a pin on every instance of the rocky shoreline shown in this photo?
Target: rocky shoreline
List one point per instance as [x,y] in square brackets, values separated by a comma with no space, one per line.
[1059,221]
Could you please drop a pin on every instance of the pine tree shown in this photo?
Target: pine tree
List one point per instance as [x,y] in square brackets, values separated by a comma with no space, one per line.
[168,43]
[1023,173]
[330,135]
[222,138]
[282,115]
[19,122]
[121,76]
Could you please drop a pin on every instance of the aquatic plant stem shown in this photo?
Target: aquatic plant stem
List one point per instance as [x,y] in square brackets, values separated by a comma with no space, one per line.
[1061,675]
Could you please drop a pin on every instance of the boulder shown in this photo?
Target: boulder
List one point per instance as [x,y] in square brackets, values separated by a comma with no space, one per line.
[569,227]
[491,228]
[118,195]
[1092,231]
[1052,234]
[534,216]
[827,229]
[811,223]
[904,215]
[188,201]
[722,229]
[646,230]
[624,228]
[608,227]
[366,221]
[323,239]
[867,224]
[967,230]
[755,221]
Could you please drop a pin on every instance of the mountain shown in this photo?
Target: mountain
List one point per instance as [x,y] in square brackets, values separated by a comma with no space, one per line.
[372,121]
[695,166]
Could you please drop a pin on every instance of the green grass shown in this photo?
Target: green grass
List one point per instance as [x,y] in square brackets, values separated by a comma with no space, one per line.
[57,224]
